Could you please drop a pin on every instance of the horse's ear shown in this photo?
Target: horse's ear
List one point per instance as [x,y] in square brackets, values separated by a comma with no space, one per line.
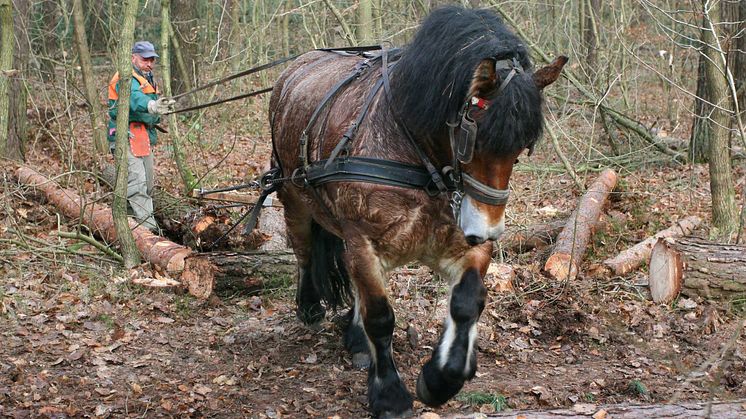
[545,76]
[484,81]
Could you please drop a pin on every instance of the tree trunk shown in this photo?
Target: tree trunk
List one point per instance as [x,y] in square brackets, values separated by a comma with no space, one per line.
[187,177]
[631,258]
[590,27]
[89,84]
[249,272]
[159,251]
[6,65]
[17,117]
[574,238]
[695,266]
[365,22]
[185,20]
[722,410]
[724,212]
[699,142]
[124,65]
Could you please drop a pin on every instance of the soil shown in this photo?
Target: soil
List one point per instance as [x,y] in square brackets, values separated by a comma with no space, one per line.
[80,339]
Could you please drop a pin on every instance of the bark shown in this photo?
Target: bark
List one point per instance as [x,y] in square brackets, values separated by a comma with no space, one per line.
[722,190]
[6,65]
[183,38]
[187,176]
[17,114]
[574,238]
[365,22]
[590,30]
[521,240]
[722,410]
[247,272]
[694,267]
[89,84]
[119,207]
[632,257]
[162,253]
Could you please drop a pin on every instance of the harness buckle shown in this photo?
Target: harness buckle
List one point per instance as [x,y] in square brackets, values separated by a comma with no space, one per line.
[456,199]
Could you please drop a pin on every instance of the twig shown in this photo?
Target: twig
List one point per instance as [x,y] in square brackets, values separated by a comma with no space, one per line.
[93,242]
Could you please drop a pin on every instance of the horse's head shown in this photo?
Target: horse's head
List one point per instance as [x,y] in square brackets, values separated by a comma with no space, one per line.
[506,120]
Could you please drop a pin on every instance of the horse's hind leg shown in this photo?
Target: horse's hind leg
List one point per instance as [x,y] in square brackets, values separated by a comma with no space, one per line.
[387,395]
[307,298]
[454,360]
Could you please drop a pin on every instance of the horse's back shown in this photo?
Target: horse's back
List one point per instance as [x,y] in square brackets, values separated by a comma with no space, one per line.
[300,89]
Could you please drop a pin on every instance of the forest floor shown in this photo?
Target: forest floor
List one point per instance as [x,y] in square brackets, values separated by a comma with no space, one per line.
[78,338]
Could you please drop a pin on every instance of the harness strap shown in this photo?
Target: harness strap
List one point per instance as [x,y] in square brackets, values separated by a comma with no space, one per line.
[484,193]
[432,171]
[370,170]
[352,130]
[359,69]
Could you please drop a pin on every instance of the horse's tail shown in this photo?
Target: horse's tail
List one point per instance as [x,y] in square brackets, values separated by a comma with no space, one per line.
[328,272]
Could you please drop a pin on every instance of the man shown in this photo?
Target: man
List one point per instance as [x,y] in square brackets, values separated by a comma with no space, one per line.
[145,112]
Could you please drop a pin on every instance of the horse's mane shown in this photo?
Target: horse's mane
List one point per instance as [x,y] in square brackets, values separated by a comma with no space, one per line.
[433,76]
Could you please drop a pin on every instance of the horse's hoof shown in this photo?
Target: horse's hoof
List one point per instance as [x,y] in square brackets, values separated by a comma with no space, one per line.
[361,360]
[392,415]
[423,393]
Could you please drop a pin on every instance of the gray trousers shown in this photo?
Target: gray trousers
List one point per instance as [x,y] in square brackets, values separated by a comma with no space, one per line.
[140,189]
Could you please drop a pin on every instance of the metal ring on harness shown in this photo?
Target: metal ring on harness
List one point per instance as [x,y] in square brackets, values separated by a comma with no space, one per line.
[299,174]
[269,178]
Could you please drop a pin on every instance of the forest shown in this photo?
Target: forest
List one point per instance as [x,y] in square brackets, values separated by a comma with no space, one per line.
[618,288]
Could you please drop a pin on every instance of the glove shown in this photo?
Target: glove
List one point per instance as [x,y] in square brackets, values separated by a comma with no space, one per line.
[161,106]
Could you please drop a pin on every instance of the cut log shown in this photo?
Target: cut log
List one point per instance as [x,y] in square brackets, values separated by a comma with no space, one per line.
[244,272]
[200,273]
[573,239]
[235,197]
[631,258]
[160,252]
[718,409]
[535,236]
[694,266]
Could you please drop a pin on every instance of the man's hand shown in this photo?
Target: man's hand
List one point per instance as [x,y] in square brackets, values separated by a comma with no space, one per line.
[161,106]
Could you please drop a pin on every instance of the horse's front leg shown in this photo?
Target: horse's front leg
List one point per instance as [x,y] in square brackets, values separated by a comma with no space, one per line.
[387,395]
[454,360]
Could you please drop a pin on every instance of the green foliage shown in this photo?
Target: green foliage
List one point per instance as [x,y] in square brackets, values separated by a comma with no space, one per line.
[637,388]
[183,305]
[478,398]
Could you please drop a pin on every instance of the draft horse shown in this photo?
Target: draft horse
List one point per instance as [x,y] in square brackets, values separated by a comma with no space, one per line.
[388,157]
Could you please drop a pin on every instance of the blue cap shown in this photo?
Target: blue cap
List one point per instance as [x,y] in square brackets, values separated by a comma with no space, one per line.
[144,49]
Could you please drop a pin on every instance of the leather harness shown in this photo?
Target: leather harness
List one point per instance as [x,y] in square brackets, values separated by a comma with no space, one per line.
[341,167]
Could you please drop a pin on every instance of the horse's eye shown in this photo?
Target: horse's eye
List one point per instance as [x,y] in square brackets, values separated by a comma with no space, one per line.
[516,161]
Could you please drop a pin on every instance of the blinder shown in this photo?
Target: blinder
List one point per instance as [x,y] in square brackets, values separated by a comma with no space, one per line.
[463,142]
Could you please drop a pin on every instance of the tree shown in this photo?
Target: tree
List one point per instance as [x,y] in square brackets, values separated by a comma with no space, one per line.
[6,65]
[124,65]
[187,177]
[86,70]
[18,89]
[724,211]
[365,22]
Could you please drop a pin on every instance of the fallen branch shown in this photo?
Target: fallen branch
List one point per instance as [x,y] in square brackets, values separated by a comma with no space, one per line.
[721,409]
[696,267]
[631,258]
[574,238]
[93,242]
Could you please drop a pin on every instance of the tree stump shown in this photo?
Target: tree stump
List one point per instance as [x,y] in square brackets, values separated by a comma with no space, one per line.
[694,266]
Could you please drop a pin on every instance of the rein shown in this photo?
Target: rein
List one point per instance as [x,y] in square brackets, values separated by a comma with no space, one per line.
[252,71]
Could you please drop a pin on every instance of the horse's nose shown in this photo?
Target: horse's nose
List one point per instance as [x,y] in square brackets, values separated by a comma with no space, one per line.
[474,240]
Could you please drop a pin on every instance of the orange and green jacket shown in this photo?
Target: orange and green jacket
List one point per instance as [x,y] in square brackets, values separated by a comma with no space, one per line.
[141,93]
